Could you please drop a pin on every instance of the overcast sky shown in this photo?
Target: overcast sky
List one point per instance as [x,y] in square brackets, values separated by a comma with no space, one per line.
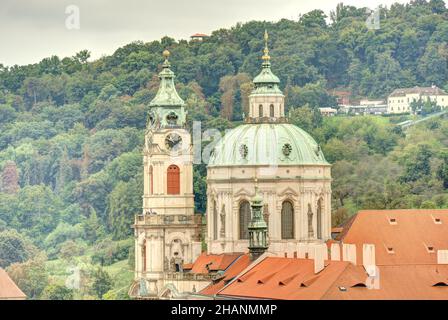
[31,30]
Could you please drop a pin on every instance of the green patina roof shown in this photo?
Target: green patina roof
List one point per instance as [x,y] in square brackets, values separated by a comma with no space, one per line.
[266,76]
[167,104]
[265,145]
[167,95]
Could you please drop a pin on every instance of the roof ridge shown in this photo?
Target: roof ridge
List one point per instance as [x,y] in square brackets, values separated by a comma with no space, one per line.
[336,279]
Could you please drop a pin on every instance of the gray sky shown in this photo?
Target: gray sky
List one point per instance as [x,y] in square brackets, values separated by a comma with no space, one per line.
[31,30]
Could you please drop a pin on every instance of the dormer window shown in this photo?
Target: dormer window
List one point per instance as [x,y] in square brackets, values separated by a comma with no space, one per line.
[430,249]
[440,284]
[359,285]
[390,250]
[393,221]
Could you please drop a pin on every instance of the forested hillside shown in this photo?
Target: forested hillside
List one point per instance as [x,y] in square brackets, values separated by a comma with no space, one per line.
[72,130]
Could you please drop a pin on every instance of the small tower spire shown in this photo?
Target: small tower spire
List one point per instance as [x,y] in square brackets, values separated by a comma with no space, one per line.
[167,106]
[266,101]
[266,78]
[258,229]
[266,58]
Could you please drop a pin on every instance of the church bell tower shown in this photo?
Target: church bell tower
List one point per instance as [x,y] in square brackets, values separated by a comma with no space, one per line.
[167,232]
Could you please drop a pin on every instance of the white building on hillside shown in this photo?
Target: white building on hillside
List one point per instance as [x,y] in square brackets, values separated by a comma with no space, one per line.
[399,101]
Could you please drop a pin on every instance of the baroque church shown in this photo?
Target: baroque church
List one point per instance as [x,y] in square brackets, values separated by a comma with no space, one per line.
[268,190]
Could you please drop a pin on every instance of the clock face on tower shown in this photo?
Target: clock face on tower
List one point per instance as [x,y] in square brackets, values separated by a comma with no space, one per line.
[173,142]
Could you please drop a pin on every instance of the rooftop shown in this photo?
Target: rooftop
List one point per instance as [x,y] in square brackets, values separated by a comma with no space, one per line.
[234,269]
[199,35]
[406,246]
[286,279]
[294,279]
[409,233]
[434,90]
[215,262]
[8,289]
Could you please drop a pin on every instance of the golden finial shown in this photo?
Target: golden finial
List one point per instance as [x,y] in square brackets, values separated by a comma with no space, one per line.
[266,56]
[166,54]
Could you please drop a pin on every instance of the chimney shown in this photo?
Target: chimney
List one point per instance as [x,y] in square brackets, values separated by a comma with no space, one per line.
[319,257]
[442,256]
[335,252]
[368,258]
[349,253]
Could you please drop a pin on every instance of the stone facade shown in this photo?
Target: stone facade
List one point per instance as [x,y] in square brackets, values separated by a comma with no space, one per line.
[300,185]
[399,101]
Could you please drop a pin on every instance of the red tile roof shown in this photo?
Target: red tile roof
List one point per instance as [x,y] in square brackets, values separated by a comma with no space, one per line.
[216,262]
[230,273]
[404,282]
[408,232]
[199,35]
[8,289]
[410,272]
[294,279]
[284,278]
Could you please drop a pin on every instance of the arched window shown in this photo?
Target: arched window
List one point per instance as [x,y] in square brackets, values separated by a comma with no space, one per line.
[215,221]
[319,219]
[151,179]
[173,180]
[260,110]
[244,216]
[287,220]
[271,111]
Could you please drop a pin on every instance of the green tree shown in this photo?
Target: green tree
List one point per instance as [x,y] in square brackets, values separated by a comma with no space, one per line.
[442,171]
[92,227]
[102,282]
[418,166]
[30,276]
[57,292]
[14,247]
[306,118]
[124,203]
[313,19]
[82,56]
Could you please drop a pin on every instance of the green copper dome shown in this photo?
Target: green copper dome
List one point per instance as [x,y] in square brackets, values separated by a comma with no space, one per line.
[267,144]
[264,143]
